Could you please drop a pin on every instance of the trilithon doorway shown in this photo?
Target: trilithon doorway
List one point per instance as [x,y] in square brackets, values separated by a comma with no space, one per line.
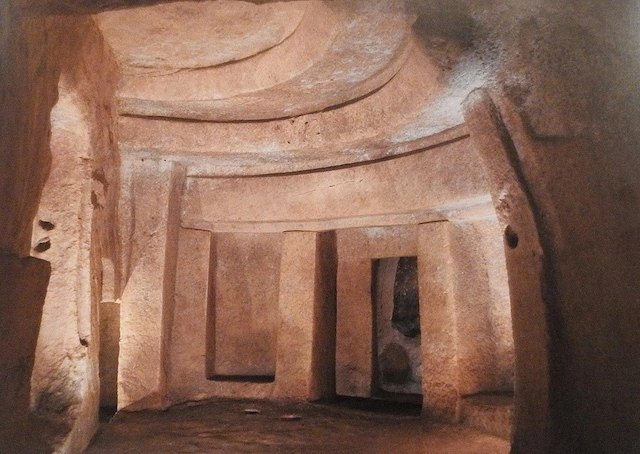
[397,352]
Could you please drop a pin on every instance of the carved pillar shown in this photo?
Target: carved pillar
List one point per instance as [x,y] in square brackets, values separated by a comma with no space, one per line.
[440,394]
[147,300]
[305,363]
[527,268]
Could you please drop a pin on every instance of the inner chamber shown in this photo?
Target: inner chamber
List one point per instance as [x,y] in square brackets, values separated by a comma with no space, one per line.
[290,229]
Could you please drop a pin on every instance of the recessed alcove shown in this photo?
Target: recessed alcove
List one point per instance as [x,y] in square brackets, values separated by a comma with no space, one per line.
[242,311]
[398,356]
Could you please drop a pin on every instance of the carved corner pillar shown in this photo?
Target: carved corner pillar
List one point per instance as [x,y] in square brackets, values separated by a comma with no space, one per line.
[440,394]
[527,269]
[305,363]
[147,300]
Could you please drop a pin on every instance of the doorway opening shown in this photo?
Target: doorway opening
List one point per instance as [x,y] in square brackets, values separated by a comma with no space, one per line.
[397,371]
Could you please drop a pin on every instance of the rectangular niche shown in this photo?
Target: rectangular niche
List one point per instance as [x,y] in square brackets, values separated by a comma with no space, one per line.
[398,354]
[361,252]
[242,313]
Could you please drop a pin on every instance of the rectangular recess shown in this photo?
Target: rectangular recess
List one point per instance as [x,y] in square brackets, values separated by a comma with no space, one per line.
[242,309]
[397,345]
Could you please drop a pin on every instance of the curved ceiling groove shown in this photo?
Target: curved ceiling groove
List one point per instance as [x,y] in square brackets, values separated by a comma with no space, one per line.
[356,132]
[191,34]
[364,55]
[291,57]
[321,84]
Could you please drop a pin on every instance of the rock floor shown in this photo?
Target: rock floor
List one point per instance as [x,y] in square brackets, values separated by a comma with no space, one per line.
[245,426]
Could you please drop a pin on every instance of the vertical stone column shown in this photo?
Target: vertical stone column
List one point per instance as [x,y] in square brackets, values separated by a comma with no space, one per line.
[440,394]
[354,349]
[529,269]
[147,300]
[482,305]
[188,346]
[305,363]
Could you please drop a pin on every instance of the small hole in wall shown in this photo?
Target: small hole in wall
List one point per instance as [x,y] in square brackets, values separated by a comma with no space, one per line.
[42,245]
[511,237]
[46,225]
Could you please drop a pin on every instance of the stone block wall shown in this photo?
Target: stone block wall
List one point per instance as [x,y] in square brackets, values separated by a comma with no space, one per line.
[273,282]
[571,70]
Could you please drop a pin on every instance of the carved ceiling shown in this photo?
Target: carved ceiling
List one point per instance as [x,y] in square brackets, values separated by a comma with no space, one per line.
[236,88]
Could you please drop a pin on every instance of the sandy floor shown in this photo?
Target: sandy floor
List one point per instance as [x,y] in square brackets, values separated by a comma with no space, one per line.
[234,426]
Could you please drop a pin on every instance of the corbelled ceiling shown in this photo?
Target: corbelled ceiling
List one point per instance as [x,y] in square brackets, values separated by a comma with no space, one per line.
[232,87]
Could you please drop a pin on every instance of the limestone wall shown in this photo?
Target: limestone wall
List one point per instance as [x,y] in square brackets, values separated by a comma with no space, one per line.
[241,320]
[75,229]
[27,94]
[570,71]
[22,292]
[571,68]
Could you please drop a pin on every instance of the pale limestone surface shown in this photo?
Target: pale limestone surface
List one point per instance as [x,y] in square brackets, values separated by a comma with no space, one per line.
[65,371]
[190,331]
[75,230]
[484,340]
[244,309]
[440,393]
[365,53]
[212,318]
[562,165]
[146,265]
[194,35]
[304,353]
[314,33]
[354,326]
[187,354]
[147,299]
[307,306]
[447,174]
[354,132]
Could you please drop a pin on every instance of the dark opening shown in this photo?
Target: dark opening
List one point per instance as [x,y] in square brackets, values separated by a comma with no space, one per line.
[397,354]
[406,307]
[46,225]
[242,378]
[511,237]
[43,244]
[395,404]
